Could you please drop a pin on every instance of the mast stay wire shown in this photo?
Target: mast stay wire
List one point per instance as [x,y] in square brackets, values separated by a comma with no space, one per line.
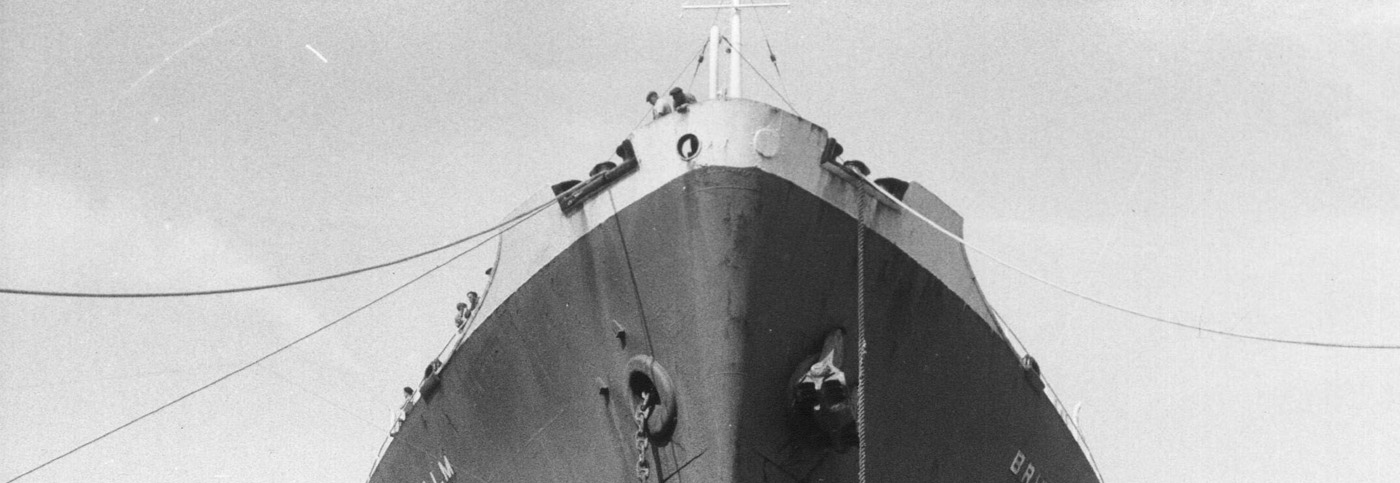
[758,15]
[1110,305]
[761,77]
[323,278]
[691,87]
[516,219]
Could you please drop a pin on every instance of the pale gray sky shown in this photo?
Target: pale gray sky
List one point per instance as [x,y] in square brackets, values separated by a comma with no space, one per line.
[1233,164]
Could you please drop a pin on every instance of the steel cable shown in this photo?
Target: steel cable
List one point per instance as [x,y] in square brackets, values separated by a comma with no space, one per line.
[761,77]
[1109,305]
[282,284]
[518,218]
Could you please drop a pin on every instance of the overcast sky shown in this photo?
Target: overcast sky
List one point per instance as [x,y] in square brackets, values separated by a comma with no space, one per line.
[1231,164]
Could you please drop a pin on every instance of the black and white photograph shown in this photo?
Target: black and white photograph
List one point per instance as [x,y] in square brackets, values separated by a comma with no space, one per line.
[699,241]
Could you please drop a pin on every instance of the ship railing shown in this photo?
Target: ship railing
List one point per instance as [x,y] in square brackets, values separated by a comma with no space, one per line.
[1049,390]
[379,456]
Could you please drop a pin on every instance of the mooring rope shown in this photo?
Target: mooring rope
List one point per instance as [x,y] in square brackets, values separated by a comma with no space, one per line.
[860,332]
[1112,306]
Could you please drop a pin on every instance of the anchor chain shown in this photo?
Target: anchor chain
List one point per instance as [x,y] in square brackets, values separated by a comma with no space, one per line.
[642,441]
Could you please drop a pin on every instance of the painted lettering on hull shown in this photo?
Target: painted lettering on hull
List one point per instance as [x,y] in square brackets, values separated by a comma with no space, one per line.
[1025,471]
[444,468]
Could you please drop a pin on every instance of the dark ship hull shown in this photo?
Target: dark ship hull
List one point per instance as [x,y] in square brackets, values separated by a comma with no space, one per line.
[730,269]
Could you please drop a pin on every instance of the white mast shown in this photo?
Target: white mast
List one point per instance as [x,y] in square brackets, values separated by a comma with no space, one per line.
[736,67]
[736,79]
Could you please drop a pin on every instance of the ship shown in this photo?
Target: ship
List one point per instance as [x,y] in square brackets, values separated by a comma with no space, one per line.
[731,299]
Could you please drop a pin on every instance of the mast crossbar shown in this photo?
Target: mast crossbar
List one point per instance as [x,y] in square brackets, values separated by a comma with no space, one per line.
[736,82]
[742,5]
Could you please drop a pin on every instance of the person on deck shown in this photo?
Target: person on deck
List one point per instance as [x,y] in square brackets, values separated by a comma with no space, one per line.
[402,414]
[680,99]
[432,368]
[659,107]
[462,311]
[465,310]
